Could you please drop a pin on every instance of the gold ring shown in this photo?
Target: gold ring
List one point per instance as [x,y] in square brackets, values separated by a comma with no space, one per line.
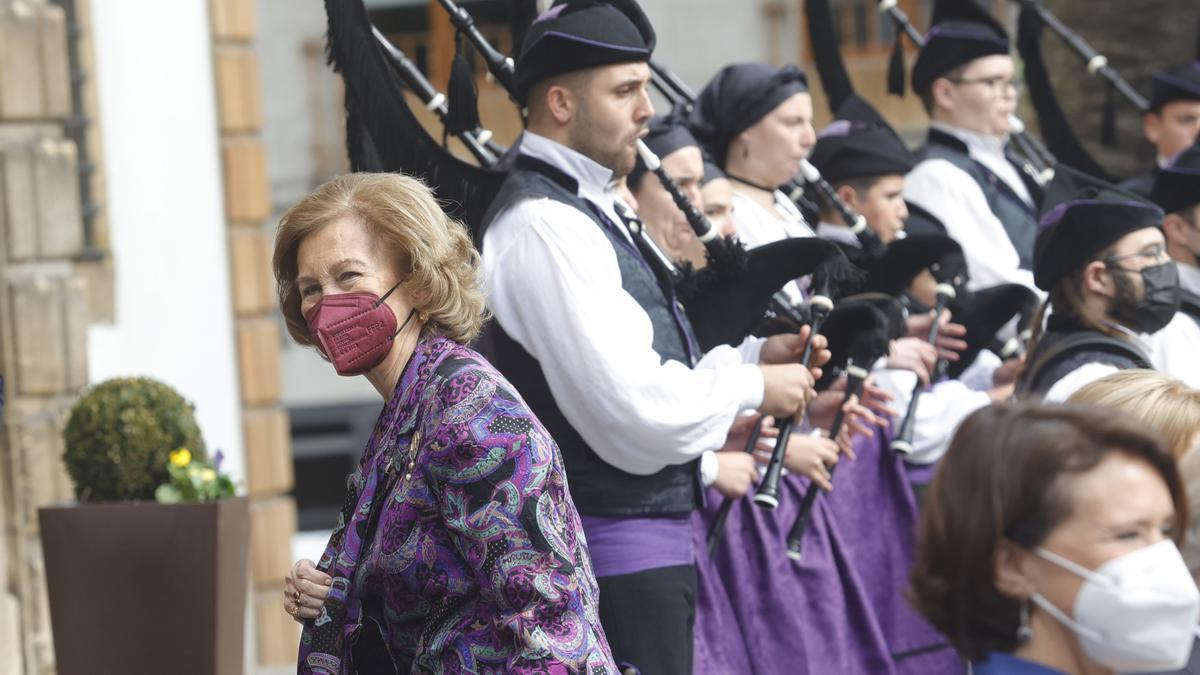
[296,597]
[292,610]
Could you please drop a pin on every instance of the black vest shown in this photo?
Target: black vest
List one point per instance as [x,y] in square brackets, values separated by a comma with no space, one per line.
[598,488]
[1067,345]
[1019,219]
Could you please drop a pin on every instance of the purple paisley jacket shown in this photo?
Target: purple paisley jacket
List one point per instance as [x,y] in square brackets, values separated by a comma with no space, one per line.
[463,549]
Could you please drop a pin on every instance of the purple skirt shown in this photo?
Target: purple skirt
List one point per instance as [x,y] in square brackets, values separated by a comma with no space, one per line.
[839,609]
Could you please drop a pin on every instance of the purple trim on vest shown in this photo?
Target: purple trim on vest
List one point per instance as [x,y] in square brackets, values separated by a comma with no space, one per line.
[596,43]
[630,545]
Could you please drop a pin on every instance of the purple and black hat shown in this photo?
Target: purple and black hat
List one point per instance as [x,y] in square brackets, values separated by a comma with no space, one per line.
[1179,83]
[1177,185]
[860,144]
[579,34]
[962,32]
[1081,216]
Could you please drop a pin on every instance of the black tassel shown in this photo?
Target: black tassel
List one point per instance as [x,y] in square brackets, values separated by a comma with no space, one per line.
[1108,125]
[461,94]
[895,80]
[382,132]
[837,277]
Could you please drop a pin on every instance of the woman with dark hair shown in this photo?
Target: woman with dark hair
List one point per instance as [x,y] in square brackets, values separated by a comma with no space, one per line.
[1049,545]
[755,122]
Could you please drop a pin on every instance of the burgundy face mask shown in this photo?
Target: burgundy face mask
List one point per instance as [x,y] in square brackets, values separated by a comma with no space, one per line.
[354,330]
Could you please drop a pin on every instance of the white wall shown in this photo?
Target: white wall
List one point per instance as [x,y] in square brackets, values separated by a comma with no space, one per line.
[696,38]
[174,320]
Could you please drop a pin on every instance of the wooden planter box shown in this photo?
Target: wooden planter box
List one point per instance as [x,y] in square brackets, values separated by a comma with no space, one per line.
[145,588]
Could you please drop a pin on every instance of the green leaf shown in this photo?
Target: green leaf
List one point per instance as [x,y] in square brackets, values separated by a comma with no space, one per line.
[167,494]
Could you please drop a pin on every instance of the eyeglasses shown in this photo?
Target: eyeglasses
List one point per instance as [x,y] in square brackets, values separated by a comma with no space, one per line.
[1154,254]
[997,84]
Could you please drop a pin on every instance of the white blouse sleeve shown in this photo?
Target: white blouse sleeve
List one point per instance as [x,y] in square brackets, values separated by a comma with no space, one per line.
[555,287]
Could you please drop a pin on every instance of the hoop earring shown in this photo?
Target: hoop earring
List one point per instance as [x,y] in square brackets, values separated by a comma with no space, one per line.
[1024,631]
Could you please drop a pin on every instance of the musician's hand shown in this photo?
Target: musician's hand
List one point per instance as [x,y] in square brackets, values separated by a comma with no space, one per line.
[913,354]
[820,355]
[812,457]
[858,420]
[787,389]
[876,400]
[783,348]
[736,474]
[1008,371]
[743,426]
[789,347]
[949,342]
[823,408]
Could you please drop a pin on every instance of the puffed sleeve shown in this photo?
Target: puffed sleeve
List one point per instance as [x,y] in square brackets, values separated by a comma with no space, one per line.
[502,494]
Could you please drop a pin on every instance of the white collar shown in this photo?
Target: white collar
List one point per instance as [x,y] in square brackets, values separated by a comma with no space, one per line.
[595,181]
[976,142]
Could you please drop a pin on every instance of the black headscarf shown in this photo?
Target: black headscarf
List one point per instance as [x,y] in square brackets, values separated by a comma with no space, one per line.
[736,98]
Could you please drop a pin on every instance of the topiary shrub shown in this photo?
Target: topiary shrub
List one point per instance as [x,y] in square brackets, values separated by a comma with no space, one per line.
[119,437]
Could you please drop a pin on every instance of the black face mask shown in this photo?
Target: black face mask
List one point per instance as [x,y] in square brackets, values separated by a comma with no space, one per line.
[1161,299]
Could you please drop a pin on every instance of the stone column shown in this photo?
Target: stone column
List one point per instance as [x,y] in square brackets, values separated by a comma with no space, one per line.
[264,421]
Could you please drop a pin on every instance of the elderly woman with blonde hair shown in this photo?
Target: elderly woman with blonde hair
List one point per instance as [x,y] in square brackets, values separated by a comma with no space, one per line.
[1171,409]
[458,548]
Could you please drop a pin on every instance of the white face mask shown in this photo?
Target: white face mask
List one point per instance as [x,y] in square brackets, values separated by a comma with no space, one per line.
[1136,612]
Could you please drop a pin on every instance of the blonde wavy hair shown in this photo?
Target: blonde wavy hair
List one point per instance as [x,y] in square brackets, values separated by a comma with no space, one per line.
[1160,402]
[437,261]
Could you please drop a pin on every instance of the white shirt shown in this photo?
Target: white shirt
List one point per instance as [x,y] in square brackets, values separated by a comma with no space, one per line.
[940,409]
[950,194]
[1175,350]
[554,284]
[757,226]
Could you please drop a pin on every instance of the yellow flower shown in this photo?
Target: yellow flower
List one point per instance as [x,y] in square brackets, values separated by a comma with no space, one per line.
[181,457]
[208,475]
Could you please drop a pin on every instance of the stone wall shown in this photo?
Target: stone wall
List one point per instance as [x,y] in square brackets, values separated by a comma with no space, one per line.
[54,280]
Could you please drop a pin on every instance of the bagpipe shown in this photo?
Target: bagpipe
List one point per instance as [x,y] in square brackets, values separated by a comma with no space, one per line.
[1033,158]
[985,313]
[725,301]
[866,325]
[1036,159]
[859,330]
